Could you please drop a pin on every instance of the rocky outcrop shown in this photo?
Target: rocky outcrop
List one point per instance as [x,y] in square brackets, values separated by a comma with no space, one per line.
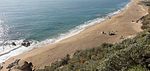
[20,65]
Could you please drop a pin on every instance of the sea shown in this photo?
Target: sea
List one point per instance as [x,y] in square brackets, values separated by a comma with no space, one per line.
[43,22]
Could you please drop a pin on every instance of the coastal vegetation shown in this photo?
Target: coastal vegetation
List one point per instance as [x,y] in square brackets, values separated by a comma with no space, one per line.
[129,55]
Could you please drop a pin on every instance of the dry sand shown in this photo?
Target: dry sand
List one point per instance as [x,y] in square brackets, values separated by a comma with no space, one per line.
[122,24]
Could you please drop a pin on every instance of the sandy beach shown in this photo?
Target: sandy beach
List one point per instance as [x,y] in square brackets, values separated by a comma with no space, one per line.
[112,30]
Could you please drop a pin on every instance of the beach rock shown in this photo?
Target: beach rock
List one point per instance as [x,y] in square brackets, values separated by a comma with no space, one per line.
[13,43]
[112,33]
[20,65]
[10,66]
[26,66]
[17,61]
[26,43]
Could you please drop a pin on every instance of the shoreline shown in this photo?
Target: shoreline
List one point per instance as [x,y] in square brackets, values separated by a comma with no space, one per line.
[73,32]
[89,38]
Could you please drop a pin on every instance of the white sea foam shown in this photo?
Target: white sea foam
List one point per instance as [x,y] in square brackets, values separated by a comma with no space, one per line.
[7,51]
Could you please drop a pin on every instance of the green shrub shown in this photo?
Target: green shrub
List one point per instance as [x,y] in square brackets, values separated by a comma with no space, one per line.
[137,68]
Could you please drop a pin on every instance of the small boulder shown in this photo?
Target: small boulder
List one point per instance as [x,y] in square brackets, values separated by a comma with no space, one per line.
[21,65]
[13,64]
[13,43]
[26,66]
[111,33]
[26,43]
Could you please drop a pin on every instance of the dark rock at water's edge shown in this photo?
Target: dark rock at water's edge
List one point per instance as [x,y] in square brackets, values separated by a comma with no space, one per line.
[13,43]
[26,43]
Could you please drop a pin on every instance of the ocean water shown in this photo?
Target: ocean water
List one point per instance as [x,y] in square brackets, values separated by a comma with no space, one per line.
[48,21]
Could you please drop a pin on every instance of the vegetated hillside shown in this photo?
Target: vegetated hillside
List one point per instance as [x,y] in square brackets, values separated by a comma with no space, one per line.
[129,55]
